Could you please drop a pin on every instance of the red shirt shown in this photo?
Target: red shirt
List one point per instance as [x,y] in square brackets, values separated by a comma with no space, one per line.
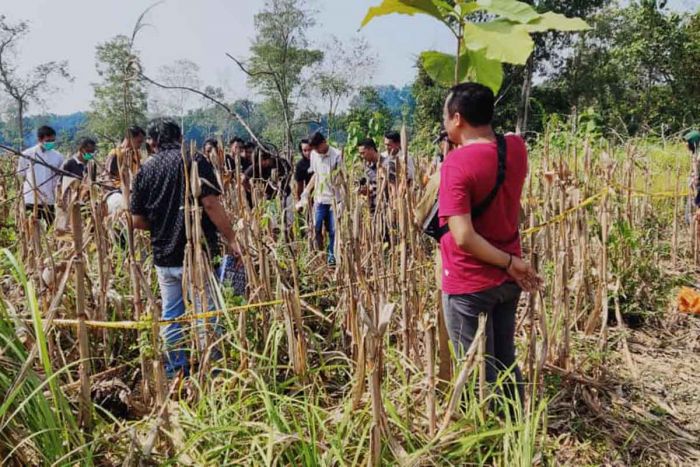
[467,176]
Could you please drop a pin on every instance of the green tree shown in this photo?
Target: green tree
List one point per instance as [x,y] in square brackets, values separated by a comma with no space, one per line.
[24,88]
[488,33]
[253,114]
[120,98]
[634,69]
[345,66]
[181,73]
[549,53]
[430,99]
[280,56]
[367,117]
[366,105]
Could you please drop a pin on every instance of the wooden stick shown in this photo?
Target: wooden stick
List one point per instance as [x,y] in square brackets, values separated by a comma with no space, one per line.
[85,402]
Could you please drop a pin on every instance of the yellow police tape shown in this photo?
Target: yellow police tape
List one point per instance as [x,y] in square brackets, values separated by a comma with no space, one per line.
[563,215]
[590,200]
[147,323]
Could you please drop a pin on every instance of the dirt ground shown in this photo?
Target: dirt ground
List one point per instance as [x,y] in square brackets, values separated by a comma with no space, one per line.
[647,412]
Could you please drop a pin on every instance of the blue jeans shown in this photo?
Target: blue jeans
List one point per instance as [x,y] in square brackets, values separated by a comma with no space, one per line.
[174,335]
[324,216]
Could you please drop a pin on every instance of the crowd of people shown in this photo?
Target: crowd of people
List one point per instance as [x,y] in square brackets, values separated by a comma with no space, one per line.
[478,186]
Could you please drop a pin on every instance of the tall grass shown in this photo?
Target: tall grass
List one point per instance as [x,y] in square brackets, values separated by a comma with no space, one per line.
[35,426]
[366,389]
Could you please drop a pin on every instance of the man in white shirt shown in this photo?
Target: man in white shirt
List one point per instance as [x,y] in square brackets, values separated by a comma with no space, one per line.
[392,141]
[326,162]
[40,180]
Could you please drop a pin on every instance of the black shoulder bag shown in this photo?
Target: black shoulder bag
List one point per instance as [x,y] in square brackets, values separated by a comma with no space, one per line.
[431,226]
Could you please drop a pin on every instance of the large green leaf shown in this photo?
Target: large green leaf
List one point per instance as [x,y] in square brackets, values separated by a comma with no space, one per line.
[472,65]
[465,7]
[404,7]
[557,22]
[510,9]
[441,67]
[484,70]
[500,40]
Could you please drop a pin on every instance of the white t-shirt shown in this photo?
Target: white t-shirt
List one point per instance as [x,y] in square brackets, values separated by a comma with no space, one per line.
[325,167]
[46,179]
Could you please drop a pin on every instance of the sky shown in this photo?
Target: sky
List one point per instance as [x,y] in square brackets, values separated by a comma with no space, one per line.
[203,31]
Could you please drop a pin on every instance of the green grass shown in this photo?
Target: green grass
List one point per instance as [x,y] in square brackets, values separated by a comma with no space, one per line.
[35,426]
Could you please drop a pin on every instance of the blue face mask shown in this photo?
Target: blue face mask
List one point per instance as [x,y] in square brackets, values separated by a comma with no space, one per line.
[88,156]
[49,145]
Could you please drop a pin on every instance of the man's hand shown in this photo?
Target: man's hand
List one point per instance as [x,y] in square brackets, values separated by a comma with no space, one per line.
[217,214]
[140,222]
[525,275]
[235,250]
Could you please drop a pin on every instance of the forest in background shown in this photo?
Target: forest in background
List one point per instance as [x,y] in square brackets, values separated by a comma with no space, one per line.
[634,73]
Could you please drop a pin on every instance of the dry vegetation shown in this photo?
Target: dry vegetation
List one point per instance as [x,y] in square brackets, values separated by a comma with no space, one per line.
[348,365]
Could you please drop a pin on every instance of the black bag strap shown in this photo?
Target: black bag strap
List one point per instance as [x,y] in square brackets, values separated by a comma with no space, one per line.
[502,150]
[432,227]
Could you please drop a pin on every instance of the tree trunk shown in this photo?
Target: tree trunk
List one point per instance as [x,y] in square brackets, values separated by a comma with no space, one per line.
[289,137]
[524,108]
[20,124]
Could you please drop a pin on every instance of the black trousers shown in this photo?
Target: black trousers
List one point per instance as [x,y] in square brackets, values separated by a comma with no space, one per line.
[499,304]
[46,212]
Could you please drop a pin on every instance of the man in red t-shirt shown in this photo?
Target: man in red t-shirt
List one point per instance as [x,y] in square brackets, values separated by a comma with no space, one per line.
[481,267]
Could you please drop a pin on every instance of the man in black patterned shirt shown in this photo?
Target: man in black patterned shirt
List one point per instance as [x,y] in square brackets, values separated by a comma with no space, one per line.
[157,205]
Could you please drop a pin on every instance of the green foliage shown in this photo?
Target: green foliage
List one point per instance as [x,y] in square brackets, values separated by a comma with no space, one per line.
[501,40]
[26,87]
[504,38]
[120,98]
[368,117]
[358,130]
[36,422]
[430,99]
[635,260]
[635,69]
[280,55]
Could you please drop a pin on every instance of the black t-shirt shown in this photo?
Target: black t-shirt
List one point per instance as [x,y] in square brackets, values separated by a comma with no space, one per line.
[231,163]
[158,194]
[302,171]
[254,173]
[75,167]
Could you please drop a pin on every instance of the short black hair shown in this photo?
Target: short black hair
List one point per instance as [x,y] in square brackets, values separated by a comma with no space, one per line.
[86,142]
[249,145]
[316,139]
[164,131]
[212,141]
[368,143]
[302,142]
[235,139]
[393,136]
[45,132]
[473,101]
[136,131]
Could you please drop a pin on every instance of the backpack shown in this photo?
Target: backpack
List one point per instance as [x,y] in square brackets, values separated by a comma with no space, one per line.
[427,209]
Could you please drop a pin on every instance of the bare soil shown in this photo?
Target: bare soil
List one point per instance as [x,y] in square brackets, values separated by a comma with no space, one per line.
[647,411]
